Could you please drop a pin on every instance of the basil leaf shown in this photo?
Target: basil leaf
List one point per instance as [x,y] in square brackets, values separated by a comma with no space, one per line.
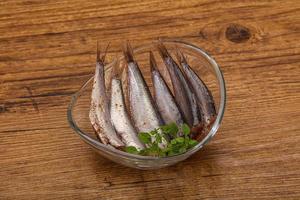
[131,149]
[185,129]
[145,137]
[192,143]
[173,141]
[170,129]
[180,140]
[182,150]
[158,138]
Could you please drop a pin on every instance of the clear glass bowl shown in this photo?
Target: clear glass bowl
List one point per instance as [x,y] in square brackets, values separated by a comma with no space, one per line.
[203,64]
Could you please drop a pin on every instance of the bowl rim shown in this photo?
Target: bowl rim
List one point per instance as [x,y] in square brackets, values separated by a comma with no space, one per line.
[98,145]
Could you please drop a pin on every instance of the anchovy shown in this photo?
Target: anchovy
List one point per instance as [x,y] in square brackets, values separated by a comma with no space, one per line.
[145,116]
[183,95]
[163,96]
[203,95]
[119,116]
[99,112]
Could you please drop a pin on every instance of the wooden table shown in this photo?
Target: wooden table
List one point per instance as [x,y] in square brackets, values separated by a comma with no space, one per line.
[47,51]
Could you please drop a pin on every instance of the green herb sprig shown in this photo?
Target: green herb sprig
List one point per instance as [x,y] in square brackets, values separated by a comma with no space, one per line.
[179,143]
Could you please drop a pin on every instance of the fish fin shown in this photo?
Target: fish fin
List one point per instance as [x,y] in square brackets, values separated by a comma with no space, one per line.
[101,57]
[128,52]
[163,50]
[153,64]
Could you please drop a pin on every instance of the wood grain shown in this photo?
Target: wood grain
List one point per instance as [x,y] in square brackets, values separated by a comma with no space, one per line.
[47,51]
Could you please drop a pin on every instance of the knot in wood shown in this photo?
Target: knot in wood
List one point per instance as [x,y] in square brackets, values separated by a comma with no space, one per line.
[237,33]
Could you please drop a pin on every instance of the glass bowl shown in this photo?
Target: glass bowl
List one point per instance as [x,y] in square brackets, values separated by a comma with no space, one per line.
[203,64]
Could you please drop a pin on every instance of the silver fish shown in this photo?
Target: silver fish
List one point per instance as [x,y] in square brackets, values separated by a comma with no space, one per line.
[119,116]
[203,95]
[143,110]
[163,97]
[99,112]
[183,95]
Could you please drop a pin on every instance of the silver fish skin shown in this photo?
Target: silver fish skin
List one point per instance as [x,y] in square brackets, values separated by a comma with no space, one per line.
[195,110]
[203,95]
[145,116]
[99,112]
[163,96]
[182,92]
[95,124]
[120,118]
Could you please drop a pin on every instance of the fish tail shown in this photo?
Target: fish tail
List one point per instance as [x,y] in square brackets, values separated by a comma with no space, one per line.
[163,50]
[128,52]
[153,64]
[101,57]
